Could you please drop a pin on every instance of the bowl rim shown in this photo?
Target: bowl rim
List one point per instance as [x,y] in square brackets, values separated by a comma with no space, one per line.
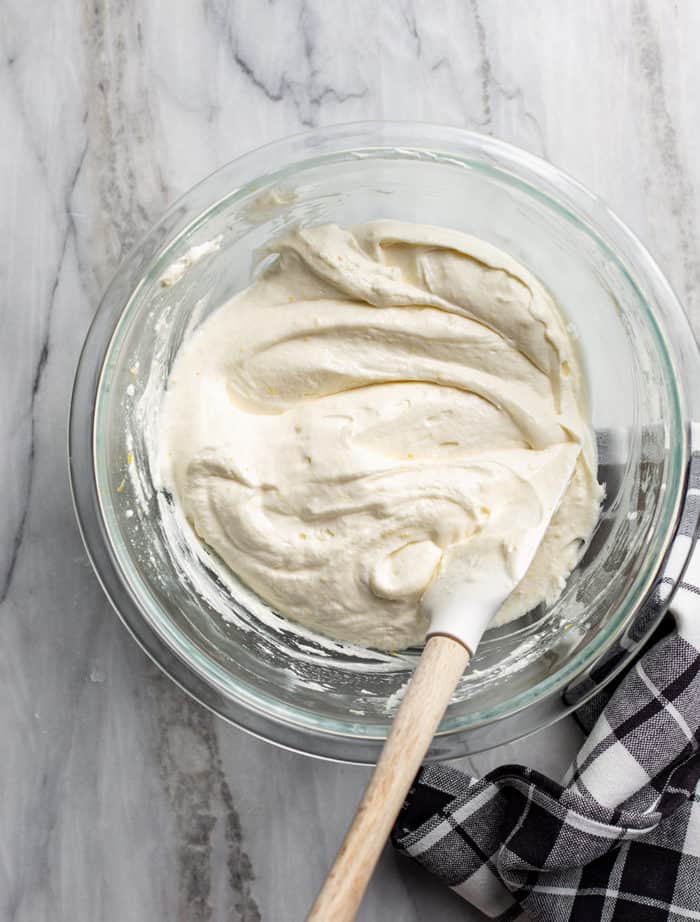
[242,709]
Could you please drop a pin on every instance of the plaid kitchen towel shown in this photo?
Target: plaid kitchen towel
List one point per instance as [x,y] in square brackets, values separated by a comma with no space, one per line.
[619,839]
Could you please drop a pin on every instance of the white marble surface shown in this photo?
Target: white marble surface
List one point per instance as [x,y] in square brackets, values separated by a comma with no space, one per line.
[121,799]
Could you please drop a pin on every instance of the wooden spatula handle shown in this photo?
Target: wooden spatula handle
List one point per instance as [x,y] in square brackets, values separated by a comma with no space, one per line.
[436,676]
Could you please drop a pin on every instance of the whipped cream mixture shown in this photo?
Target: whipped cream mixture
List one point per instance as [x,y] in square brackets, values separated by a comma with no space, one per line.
[380,405]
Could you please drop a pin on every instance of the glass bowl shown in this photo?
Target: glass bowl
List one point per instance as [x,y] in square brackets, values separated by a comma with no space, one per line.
[211,634]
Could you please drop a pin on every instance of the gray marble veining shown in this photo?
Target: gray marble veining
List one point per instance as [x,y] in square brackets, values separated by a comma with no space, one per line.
[121,799]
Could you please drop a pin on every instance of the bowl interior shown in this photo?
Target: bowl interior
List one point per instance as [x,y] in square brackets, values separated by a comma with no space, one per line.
[228,636]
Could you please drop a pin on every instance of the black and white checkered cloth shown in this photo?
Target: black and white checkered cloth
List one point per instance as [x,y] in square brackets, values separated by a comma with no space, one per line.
[619,839]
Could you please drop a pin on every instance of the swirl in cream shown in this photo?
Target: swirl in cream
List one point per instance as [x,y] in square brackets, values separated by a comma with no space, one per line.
[378,404]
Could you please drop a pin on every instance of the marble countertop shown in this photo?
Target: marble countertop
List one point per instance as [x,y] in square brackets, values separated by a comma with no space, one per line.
[122,799]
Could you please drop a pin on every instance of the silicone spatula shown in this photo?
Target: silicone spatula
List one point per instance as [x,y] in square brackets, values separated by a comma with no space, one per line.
[460,612]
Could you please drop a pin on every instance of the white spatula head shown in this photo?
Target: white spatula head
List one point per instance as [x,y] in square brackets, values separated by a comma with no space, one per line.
[479,575]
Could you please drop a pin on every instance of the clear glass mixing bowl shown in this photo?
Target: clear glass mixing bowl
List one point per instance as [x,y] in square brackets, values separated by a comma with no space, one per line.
[208,632]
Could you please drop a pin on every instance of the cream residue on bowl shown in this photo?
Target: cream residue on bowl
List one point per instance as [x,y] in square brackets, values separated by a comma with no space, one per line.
[380,404]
